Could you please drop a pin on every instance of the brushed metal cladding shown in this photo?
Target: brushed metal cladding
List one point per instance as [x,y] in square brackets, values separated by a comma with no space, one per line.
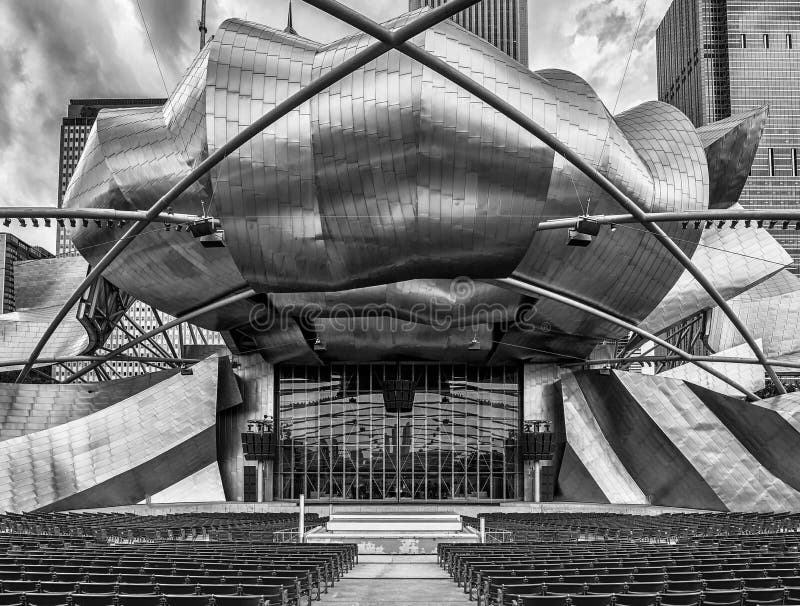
[655,153]
[659,467]
[575,484]
[771,311]
[204,486]
[734,259]
[729,469]
[393,181]
[787,406]
[41,287]
[731,146]
[117,455]
[132,157]
[27,408]
[750,376]
[593,450]
[767,435]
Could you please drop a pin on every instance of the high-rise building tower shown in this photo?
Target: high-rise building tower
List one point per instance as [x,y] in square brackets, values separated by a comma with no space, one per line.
[75,127]
[503,23]
[722,57]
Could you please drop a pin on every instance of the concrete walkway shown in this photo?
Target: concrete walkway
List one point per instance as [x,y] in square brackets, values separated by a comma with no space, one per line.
[395,581]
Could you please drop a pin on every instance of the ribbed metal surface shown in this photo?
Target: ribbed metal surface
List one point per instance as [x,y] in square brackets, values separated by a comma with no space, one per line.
[27,408]
[681,444]
[117,455]
[41,287]
[394,181]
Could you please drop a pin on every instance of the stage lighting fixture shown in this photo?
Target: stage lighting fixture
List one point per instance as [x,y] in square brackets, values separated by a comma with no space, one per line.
[167,226]
[46,222]
[22,223]
[319,345]
[684,224]
[60,222]
[110,223]
[582,233]
[72,222]
[785,225]
[697,224]
[709,224]
[98,222]
[179,227]
[720,224]
[747,223]
[85,222]
[734,223]
[35,222]
[613,227]
[6,222]
[760,223]
[185,370]
[772,224]
[121,223]
[474,345]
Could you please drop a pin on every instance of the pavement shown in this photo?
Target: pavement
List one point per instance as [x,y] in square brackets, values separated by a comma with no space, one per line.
[395,580]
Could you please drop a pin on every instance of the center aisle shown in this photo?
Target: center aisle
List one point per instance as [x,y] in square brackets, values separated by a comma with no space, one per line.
[395,581]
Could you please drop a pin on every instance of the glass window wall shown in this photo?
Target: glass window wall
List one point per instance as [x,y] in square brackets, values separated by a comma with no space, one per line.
[338,442]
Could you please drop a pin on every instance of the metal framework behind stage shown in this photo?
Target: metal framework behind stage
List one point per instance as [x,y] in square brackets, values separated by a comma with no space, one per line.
[399,39]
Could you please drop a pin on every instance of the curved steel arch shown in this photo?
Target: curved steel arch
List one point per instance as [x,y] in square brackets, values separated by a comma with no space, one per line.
[360,59]
[530,289]
[338,10]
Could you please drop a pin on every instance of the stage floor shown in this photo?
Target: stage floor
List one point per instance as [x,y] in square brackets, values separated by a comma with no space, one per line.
[466,509]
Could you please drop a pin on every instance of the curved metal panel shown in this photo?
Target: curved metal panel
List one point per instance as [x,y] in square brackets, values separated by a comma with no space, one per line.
[659,467]
[392,173]
[592,449]
[118,455]
[771,310]
[768,436]
[750,376]
[733,473]
[41,287]
[27,408]
[733,259]
[731,146]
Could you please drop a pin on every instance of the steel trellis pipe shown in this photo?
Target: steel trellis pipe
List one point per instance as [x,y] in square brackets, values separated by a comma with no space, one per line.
[221,302]
[525,287]
[444,69]
[100,214]
[744,214]
[348,66]
[720,359]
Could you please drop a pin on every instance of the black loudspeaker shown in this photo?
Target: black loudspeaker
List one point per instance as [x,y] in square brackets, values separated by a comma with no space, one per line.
[398,395]
[250,487]
[548,483]
[258,446]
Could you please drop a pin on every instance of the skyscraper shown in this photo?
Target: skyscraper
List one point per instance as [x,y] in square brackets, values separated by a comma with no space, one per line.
[503,23]
[722,57]
[75,127]
[13,250]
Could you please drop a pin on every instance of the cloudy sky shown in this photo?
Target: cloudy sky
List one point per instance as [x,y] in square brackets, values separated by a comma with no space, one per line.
[54,50]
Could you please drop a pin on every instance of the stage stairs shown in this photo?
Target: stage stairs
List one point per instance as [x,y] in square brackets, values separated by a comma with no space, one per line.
[393,532]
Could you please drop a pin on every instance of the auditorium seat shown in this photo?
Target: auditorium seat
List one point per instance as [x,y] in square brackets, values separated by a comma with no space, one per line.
[722,598]
[93,599]
[689,598]
[764,597]
[139,599]
[637,599]
[10,598]
[46,599]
